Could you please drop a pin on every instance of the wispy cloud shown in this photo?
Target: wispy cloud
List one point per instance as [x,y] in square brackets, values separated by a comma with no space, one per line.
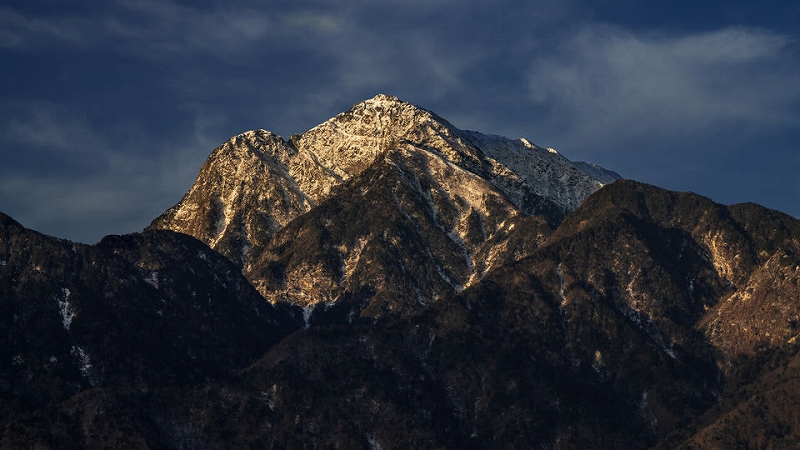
[48,125]
[90,181]
[20,31]
[159,29]
[606,83]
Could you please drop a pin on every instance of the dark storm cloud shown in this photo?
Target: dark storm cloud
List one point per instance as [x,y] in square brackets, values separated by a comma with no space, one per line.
[107,109]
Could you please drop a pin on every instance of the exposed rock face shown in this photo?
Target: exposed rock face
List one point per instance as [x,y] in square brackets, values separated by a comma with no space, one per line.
[393,241]
[761,260]
[243,195]
[388,162]
[736,267]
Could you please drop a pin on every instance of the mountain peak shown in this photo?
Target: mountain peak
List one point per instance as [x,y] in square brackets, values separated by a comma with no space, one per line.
[383,154]
[385,99]
[384,114]
[386,102]
[345,145]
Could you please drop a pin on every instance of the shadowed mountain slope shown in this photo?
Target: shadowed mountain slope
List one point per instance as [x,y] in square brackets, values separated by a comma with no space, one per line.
[648,318]
[142,310]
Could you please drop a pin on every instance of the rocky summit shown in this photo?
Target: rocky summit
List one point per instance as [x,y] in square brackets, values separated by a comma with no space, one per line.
[386,280]
[381,209]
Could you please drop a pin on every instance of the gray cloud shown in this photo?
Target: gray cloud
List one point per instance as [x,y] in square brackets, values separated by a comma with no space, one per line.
[605,83]
[85,181]
[715,112]
[48,125]
[19,31]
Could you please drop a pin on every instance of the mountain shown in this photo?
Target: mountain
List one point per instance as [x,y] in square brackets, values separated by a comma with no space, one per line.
[597,339]
[387,281]
[379,210]
[144,310]
[631,325]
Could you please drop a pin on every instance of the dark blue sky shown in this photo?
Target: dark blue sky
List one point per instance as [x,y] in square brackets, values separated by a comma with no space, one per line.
[108,109]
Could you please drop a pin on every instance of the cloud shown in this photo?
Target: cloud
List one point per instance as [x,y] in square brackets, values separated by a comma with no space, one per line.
[67,177]
[309,21]
[19,31]
[606,83]
[161,29]
[48,125]
[715,112]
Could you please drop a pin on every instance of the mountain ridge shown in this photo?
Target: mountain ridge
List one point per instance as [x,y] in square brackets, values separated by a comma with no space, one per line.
[596,336]
[252,186]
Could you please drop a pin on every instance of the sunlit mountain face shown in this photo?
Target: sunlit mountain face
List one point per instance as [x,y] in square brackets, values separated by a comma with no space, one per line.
[380,210]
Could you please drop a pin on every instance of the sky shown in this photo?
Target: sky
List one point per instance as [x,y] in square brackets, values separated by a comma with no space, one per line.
[109,108]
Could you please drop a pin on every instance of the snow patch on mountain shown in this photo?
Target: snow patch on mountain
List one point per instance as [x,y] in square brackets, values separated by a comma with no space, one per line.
[65,309]
[545,171]
[152,279]
[600,174]
[84,364]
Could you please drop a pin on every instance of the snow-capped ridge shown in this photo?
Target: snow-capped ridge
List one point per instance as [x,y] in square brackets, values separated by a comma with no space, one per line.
[544,171]
[601,174]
